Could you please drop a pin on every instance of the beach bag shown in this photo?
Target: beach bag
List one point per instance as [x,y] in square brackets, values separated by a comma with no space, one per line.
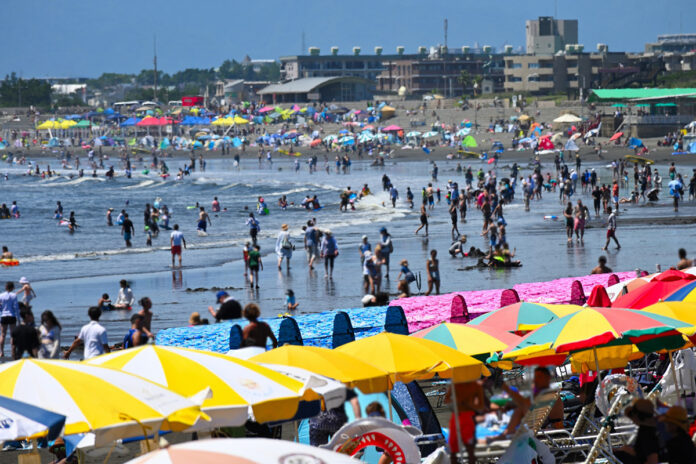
[390,247]
[285,243]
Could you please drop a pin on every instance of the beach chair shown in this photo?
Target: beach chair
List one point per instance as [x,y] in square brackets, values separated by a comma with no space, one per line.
[532,421]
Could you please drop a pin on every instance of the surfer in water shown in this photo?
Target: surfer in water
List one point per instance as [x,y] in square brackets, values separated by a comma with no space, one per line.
[203,220]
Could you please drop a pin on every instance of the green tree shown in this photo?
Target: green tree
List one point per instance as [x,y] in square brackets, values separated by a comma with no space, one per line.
[22,92]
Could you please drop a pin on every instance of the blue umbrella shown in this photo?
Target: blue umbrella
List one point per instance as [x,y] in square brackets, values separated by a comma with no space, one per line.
[21,420]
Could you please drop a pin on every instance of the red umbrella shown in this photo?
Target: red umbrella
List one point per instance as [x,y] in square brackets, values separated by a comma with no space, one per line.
[392,128]
[149,121]
[599,298]
[315,142]
[657,289]
[615,136]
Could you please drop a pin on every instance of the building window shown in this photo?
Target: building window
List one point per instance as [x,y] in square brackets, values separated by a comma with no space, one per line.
[514,65]
[533,65]
[514,79]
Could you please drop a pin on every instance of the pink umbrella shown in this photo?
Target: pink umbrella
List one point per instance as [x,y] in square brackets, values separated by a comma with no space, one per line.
[266,109]
[392,128]
[149,121]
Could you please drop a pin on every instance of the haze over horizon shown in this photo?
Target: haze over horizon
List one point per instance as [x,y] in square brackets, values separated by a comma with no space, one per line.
[83,38]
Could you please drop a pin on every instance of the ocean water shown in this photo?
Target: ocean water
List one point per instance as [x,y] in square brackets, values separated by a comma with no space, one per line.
[70,271]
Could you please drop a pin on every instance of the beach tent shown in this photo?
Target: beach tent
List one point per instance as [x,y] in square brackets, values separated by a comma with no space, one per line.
[571,146]
[148,121]
[546,144]
[387,112]
[469,142]
[635,143]
[130,122]
[567,119]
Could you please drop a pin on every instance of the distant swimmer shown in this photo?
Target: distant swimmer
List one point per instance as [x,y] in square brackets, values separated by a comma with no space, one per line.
[203,220]
[14,210]
[109,221]
[216,205]
[261,207]
[59,210]
[6,253]
[72,222]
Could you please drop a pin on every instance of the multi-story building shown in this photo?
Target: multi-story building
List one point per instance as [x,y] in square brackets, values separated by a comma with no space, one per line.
[443,74]
[547,35]
[333,65]
[674,43]
[575,69]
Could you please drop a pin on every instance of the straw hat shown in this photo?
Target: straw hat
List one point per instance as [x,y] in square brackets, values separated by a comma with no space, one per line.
[23,280]
[284,227]
[676,415]
[327,231]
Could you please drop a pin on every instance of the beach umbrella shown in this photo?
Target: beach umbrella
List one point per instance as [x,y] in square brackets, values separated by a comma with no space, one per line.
[330,363]
[618,105]
[242,451]
[19,420]
[477,341]
[110,403]
[431,134]
[571,146]
[469,142]
[686,294]
[315,142]
[343,132]
[659,288]
[48,124]
[413,134]
[240,121]
[240,389]
[392,128]
[148,121]
[330,138]
[575,136]
[591,328]
[347,140]
[66,124]
[681,311]
[463,132]
[523,316]
[365,137]
[567,119]
[616,136]
[408,358]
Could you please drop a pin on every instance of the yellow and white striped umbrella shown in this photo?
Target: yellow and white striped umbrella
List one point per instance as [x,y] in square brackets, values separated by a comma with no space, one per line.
[239,388]
[110,403]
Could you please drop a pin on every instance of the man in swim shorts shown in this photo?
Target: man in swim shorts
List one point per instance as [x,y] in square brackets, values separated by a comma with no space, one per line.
[127,230]
[203,220]
[176,240]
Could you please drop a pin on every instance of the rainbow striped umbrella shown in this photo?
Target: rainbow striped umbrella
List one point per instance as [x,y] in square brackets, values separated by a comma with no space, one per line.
[477,341]
[523,317]
[686,294]
[591,328]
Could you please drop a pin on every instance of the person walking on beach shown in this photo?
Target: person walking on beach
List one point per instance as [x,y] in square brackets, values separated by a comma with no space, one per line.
[581,214]
[433,268]
[127,230]
[176,241]
[256,333]
[453,217]
[92,335]
[387,248]
[329,252]
[9,314]
[284,247]
[254,227]
[423,221]
[254,263]
[311,243]
[568,215]
[611,229]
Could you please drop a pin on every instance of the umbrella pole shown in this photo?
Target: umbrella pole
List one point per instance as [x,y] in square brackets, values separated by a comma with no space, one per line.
[389,405]
[676,380]
[457,426]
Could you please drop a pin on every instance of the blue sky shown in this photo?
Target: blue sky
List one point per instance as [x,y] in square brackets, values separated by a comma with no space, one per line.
[68,38]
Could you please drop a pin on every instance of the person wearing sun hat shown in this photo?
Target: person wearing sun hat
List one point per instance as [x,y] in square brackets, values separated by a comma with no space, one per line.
[679,449]
[284,247]
[645,447]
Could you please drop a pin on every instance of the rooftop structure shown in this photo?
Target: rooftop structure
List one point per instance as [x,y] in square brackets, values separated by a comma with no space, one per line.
[547,35]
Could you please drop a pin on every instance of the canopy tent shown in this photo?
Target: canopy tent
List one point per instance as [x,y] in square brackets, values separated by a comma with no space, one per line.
[469,142]
[567,119]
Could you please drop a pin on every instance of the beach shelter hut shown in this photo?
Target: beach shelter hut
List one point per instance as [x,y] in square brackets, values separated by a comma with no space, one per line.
[112,404]
[239,388]
[387,112]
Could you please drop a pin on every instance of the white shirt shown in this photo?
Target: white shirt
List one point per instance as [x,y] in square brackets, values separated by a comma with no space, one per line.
[177,237]
[93,335]
[125,297]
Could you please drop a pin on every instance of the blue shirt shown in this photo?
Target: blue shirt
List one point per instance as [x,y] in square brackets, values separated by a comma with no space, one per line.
[9,306]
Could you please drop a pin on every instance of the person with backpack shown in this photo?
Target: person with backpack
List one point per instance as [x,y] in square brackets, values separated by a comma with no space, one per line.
[284,247]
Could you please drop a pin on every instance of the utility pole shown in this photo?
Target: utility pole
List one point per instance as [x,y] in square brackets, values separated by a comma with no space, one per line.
[155,63]
[445,32]
[303,49]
